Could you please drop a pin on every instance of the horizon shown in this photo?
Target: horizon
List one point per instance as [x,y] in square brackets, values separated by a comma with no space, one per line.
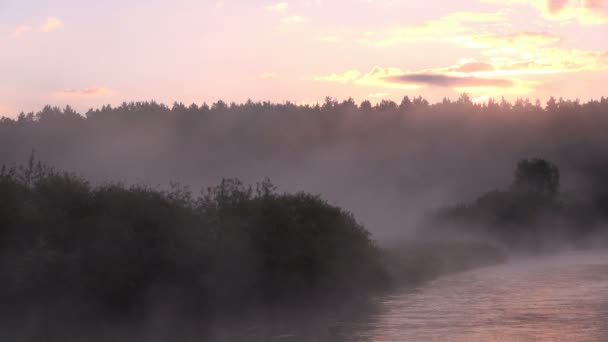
[89,55]
[536,103]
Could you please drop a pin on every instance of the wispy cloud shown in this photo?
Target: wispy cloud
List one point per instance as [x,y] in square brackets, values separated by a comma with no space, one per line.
[85,92]
[505,41]
[555,6]
[442,29]
[292,20]
[329,39]
[585,12]
[471,67]
[345,77]
[376,78]
[21,30]
[278,7]
[531,53]
[268,75]
[51,24]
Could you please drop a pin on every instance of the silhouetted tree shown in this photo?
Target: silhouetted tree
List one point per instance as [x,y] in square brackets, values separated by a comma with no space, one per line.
[537,176]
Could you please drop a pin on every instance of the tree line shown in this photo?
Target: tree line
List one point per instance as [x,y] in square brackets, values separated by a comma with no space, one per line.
[410,155]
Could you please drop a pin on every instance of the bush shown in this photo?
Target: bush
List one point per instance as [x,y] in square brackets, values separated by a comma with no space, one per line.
[120,248]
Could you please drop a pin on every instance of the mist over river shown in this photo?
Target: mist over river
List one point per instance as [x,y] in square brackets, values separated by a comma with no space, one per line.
[558,298]
[554,298]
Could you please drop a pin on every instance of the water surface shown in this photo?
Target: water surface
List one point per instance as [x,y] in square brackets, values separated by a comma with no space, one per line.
[559,298]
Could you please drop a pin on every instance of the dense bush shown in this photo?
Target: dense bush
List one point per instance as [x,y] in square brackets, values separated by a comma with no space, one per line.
[119,249]
[531,212]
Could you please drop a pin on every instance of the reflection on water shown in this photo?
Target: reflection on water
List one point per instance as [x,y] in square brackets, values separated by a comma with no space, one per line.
[560,298]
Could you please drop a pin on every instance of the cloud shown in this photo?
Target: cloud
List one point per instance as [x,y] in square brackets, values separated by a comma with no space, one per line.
[524,53]
[442,29]
[329,39]
[278,7]
[463,80]
[292,20]
[51,24]
[530,53]
[508,66]
[20,31]
[377,77]
[85,92]
[556,6]
[595,4]
[438,80]
[268,75]
[508,41]
[585,12]
[472,67]
[345,77]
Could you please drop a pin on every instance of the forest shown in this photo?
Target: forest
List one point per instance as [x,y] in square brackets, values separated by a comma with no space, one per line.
[392,164]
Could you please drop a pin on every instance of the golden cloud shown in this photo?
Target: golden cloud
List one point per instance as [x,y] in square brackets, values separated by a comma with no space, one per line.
[585,12]
[507,41]
[442,29]
[51,24]
[329,39]
[278,7]
[268,75]
[531,53]
[292,20]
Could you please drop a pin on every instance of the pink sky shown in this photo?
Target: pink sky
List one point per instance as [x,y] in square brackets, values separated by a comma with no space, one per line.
[87,54]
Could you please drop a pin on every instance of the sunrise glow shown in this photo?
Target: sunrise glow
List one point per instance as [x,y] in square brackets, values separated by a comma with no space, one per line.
[67,52]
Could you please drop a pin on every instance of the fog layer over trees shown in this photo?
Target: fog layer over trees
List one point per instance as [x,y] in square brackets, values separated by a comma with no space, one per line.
[390,163]
[435,188]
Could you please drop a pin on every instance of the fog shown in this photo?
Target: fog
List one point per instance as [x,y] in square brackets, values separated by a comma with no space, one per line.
[442,188]
[390,164]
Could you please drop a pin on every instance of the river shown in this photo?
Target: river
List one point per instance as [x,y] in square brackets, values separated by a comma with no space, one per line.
[542,299]
[558,298]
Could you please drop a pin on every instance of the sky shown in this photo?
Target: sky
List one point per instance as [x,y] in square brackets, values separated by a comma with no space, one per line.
[90,53]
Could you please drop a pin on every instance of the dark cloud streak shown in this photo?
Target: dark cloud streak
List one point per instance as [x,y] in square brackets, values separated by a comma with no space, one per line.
[438,80]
